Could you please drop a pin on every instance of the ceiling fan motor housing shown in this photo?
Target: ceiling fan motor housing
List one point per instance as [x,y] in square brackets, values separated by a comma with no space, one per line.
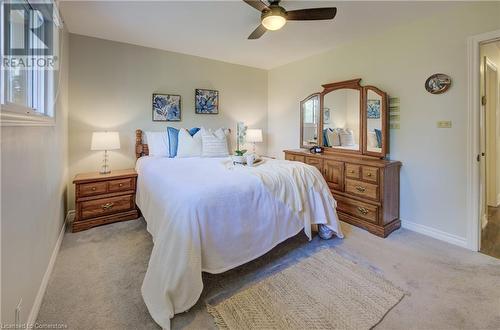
[274,10]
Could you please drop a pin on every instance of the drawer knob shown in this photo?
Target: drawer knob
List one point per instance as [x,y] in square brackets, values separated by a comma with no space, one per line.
[360,189]
[94,188]
[107,206]
[351,171]
[369,175]
[120,185]
[362,210]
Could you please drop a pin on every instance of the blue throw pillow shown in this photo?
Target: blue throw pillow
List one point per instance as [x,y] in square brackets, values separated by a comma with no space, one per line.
[378,133]
[325,138]
[173,139]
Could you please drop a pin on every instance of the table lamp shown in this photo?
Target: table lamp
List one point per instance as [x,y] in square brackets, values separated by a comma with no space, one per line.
[105,141]
[254,135]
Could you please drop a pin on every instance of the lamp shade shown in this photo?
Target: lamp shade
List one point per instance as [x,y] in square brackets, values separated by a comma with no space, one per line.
[254,135]
[105,141]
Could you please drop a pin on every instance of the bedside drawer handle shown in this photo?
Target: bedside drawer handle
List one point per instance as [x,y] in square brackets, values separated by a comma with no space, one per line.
[362,210]
[360,189]
[107,206]
[94,188]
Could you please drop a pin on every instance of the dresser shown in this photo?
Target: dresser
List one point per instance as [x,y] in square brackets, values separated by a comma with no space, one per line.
[104,198]
[366,189]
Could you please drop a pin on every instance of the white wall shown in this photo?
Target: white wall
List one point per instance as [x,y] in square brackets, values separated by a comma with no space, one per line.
[433,176]
[111,85]
[33,200]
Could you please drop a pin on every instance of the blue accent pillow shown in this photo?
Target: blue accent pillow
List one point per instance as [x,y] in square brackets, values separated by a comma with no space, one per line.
[378,133]
[325,138]
[173,139]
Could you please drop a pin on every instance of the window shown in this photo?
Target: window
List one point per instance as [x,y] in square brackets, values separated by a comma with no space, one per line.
[29,73]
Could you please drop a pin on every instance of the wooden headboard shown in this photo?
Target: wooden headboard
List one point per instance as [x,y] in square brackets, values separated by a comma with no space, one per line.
[141,149]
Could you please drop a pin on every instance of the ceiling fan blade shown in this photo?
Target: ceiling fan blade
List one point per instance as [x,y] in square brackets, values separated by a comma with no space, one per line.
[311,14]
[258,32]
[257,4]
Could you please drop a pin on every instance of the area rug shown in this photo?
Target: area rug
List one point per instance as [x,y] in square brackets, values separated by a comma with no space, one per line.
[323,291]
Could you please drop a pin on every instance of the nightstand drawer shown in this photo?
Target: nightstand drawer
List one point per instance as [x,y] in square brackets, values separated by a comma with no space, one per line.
[99,207]
[121,185]
[93,188]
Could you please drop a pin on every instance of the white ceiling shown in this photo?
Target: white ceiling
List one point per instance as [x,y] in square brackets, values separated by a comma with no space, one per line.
[219,29]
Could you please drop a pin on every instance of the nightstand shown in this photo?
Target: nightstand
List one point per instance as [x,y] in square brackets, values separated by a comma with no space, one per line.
[104,198]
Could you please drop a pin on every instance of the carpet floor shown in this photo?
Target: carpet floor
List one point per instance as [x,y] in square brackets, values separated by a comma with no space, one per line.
[98,274]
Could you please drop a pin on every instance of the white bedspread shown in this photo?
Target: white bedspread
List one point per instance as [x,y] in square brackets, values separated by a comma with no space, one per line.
[205,217]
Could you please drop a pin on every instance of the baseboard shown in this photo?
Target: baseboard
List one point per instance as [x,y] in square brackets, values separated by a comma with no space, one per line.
[435,233]
[45,281]
[498,200]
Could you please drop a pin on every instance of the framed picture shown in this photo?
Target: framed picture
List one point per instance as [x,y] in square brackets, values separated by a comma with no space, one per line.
[373,109]
[206,101]
[166,107]
[326,115]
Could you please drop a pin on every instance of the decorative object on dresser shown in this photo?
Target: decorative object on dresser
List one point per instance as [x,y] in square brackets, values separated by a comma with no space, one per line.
[206,101]
[104,198]
[166,107]
[105,141]
[356,142]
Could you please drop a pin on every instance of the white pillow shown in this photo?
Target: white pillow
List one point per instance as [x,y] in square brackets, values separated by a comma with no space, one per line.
[372,140]
[188,146]
[333,138]
[347,138]
[214,143]
[158,144]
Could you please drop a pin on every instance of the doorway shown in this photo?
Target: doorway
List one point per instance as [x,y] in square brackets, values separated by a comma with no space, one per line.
[490,148]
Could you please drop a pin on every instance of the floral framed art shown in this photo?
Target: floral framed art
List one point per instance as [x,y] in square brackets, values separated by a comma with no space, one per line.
[206,101]
[166,107]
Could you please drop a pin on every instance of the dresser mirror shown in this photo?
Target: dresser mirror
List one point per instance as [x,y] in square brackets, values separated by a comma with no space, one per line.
[342,119]
[309,121]
[346,118]
[376,121]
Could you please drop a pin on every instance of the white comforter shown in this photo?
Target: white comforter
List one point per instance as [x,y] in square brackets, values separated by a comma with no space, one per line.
[205,217]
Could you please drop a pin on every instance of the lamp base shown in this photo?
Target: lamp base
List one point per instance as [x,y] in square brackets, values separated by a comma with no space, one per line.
[105,169]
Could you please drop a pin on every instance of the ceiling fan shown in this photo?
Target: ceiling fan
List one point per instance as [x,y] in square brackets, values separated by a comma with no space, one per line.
[274,17]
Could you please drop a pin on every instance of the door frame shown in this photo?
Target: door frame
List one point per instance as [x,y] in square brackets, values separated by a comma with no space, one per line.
[473,210]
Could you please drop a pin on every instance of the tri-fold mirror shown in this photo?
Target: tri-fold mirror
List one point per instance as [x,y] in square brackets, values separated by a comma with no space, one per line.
[346,118]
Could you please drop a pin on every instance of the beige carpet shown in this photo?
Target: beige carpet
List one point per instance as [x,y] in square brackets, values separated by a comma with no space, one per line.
[323,291]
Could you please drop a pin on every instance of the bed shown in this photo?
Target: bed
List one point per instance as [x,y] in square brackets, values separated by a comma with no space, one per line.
[205,215]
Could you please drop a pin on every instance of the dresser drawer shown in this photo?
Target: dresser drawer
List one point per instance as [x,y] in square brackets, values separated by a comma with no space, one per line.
[104,206]
[352,171]
[90,189]
[297,158]
[318,163]
[358,209]
[121,185]
[362,189]
[369,173]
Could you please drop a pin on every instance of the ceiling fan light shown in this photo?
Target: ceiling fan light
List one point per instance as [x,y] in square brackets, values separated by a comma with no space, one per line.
[273,22]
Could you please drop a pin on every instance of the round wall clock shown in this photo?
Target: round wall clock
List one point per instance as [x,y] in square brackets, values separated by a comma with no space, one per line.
[438,83]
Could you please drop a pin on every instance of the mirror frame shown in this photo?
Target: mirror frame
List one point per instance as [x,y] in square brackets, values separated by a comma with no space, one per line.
[320,122]
[348,84]
[383,117]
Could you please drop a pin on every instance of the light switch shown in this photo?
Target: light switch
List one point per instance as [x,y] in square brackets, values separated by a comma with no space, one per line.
[444,124]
